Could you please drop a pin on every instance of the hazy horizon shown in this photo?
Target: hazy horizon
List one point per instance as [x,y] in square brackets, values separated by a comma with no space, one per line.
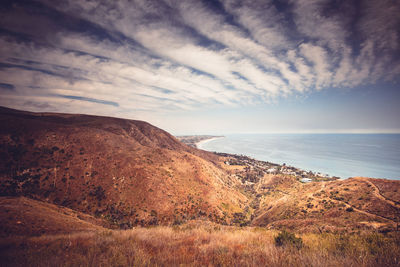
[282,133]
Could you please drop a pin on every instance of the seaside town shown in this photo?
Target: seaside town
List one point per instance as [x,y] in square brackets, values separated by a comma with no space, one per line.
[264,167]
[255,169]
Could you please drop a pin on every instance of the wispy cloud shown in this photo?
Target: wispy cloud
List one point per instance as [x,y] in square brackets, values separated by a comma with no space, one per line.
[6,86]
[89,99]
[161,56]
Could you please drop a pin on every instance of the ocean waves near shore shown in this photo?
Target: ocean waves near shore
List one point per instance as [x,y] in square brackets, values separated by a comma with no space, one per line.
[343,155]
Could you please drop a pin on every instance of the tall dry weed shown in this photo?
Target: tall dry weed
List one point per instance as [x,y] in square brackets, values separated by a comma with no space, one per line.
[201,246]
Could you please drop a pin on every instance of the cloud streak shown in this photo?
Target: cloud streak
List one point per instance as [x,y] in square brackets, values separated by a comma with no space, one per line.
[166,56]
[88,99]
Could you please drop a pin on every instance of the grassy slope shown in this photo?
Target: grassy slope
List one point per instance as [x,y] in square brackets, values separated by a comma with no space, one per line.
[282,202]
[201,245]
[343,205]
[27,217]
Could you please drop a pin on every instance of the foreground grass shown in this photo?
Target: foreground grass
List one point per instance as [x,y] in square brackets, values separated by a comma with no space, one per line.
[200,246]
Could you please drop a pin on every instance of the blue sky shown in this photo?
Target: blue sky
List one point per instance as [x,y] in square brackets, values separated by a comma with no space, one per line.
[217,67]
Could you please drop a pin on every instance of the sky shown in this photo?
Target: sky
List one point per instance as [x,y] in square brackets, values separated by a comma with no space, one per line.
[207,67]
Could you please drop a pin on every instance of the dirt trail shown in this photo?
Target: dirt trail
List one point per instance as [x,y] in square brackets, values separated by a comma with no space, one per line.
[354,208]
[368,213]
[378,194]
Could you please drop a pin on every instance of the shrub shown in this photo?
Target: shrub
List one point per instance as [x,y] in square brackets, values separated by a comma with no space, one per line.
[99,193]
[285,238]
[349,209]
[153,213]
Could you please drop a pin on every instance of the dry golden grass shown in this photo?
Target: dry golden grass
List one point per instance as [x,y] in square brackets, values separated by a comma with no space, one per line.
[200,245]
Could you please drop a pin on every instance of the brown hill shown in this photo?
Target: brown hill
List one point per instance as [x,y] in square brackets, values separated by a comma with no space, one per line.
[282,201]
[22,216]
[342,205]
[127,172]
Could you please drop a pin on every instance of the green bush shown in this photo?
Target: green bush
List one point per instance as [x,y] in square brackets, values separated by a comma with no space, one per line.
[285,238]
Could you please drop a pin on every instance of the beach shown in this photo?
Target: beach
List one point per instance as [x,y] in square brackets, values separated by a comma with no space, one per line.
[204,141]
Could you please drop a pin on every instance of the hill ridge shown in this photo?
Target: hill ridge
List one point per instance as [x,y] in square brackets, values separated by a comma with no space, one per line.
[127,171]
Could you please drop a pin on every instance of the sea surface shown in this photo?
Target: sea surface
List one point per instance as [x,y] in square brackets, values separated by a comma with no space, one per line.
[342,155]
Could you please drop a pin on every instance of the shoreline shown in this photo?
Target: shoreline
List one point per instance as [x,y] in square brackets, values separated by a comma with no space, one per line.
[196,141]
[329,171]
[332,160]
[298,172]
[198,144]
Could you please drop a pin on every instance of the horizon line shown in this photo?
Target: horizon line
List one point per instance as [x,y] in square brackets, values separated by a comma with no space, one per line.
[233,133]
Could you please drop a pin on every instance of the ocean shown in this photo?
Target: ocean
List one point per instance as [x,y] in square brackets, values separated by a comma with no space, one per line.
[342,155]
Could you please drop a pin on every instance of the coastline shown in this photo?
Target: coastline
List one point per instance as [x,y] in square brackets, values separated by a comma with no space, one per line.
[202,142]
[246,160]
[338,155]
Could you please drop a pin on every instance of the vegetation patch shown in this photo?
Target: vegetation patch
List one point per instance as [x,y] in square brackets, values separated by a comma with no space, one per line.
[285,238]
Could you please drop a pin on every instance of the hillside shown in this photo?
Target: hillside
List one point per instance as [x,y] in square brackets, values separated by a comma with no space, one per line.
[126,172]
[21,216]
[69,183]
[281,201]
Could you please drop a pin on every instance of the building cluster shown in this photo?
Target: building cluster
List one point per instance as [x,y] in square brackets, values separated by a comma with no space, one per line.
[265,167]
